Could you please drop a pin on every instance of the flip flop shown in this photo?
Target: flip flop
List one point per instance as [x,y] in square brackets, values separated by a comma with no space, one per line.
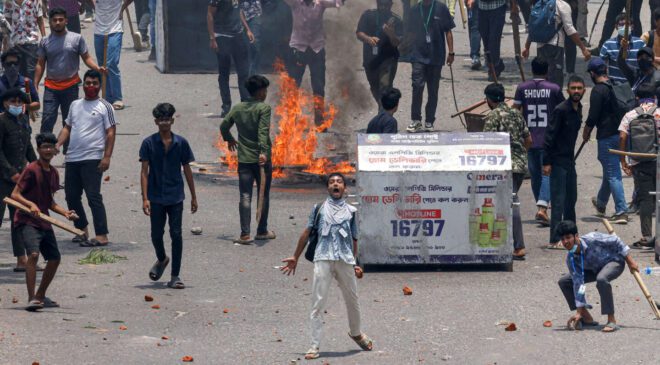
[97,243]
[79,238]
[19,269]
[176,283]
[312,353]
[157,270]
[363,341]
[49,303]
[555,246]
[615,327]
[86,243]
[34,306]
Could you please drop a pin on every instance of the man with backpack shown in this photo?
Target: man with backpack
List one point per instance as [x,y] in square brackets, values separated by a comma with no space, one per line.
[332,235]
[638,132]
[605,114]
[550,36]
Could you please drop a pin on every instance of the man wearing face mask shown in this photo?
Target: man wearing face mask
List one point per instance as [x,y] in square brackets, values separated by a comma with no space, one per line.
[592,257]
[609,52]
[12,78]
[15,152]
[646,74]
[605,115]
[558,158]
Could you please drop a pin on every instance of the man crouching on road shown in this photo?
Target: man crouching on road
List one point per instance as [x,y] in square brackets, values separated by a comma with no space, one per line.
[333,222]
[593,257]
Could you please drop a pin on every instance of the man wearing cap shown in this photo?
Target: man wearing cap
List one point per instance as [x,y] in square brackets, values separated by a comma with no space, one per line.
[605,115]
[646,72]
[558,158]
[592,257]
[503,118]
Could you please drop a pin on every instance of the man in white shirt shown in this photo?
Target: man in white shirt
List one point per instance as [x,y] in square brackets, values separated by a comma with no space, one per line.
[553,50]
[90,130]
[108,22]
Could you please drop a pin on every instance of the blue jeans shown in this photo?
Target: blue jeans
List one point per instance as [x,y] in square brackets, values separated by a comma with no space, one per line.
[113,89]
[54,101]
[473,30]
[540,182]
[253,54]
[611,183]
[152,24]
[159,215]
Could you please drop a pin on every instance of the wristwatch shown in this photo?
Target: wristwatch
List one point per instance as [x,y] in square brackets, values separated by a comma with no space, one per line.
[452,54]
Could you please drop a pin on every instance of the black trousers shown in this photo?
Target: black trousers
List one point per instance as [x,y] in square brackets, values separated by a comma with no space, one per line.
[381,78]
[236,49]
[428,75]
[563,195]
[159,215]
[518,237]
[248,173]
[644,174]
[85,176]
[570,48]
[316,63]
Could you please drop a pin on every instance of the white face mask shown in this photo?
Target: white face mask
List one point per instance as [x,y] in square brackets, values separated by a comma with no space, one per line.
[622,31]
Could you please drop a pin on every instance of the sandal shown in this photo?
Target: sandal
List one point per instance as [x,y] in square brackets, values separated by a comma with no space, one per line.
[34,305]
[613,327]
[79,238]
[176,283]
[243,241]
[581,324]
[363,341]
[49,303]
[157,270]
[312,353]
[22,268]
[555,246]
[96,243]
[86,243]
[270,235]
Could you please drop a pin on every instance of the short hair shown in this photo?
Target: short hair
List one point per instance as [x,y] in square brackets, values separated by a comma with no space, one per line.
[539,66]
[495,92]
[46,137]
[575,79]
[14,92]
[163,110]
[255,83]
[12,52]
[566,227]
[92,74]
[56,11]
[645,91]
[656,13]
[390,98]
[621,17]
[334,174]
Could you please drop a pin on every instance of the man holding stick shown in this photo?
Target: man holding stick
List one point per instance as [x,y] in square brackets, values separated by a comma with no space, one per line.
[36,188]
[252,119]
[592,257]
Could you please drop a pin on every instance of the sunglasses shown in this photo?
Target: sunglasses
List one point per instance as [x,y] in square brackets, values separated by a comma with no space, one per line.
[11,64]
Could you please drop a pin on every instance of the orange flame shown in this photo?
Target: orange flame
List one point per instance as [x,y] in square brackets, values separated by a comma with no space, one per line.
[296,140]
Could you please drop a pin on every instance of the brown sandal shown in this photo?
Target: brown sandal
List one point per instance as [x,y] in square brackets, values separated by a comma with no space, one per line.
[363,341]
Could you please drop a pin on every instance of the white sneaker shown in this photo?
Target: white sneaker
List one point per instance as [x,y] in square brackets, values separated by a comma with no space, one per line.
[415,127]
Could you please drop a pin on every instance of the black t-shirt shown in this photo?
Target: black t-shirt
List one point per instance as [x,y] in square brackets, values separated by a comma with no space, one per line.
[227,17]
[602,111]
[371,23]
[384,122]
[439,23]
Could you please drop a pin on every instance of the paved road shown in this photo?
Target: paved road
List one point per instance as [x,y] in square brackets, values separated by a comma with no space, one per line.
[450,318]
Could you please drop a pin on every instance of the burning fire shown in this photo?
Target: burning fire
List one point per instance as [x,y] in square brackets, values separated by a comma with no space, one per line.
[296,141]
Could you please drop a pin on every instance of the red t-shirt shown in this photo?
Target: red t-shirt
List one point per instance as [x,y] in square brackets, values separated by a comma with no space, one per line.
[38,186]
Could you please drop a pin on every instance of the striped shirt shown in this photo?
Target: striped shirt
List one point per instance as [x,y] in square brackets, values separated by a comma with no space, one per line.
[609,53]
[491,4]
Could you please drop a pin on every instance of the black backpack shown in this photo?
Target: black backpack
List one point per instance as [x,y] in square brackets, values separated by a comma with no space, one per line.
[643,133]
[313,234]
[624,99]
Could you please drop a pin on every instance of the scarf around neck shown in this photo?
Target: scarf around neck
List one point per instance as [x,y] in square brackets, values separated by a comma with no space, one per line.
[335,212]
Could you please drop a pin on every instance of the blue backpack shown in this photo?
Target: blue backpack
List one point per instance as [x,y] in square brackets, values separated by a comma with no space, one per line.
[542,26]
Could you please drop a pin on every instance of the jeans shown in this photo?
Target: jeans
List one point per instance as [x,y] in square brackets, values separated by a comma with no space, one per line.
[555,57]
[518,237]
[248,173]
[603,281]
[152,25]
[28,59]
[473,30]
[344,273]
[55,101]
[159,214]
[316,62]
[73,23]
[540,182]
[570,48]
[113,89]
[142,17]
[611,182]
[381,78]
[254,54]
[85,176]
[491,24]
[229,48]
[563,193]
[644,174]
[428,75]
[615,8]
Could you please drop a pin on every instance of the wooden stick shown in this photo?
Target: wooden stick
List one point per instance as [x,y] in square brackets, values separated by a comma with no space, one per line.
[31,113]
[104,76]
[638,278]
[262,194]
[632,154]
[44,217]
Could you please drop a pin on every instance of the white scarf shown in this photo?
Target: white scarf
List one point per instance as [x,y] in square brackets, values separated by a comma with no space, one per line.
[335,212]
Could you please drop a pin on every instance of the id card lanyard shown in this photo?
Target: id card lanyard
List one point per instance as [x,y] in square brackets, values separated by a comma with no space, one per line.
[582,288]
[428,20]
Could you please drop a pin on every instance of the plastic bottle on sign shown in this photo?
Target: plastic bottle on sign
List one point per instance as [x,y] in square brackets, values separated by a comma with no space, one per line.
[475,219]
[487,215]
[484,235]
[495,238]
[500,228]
